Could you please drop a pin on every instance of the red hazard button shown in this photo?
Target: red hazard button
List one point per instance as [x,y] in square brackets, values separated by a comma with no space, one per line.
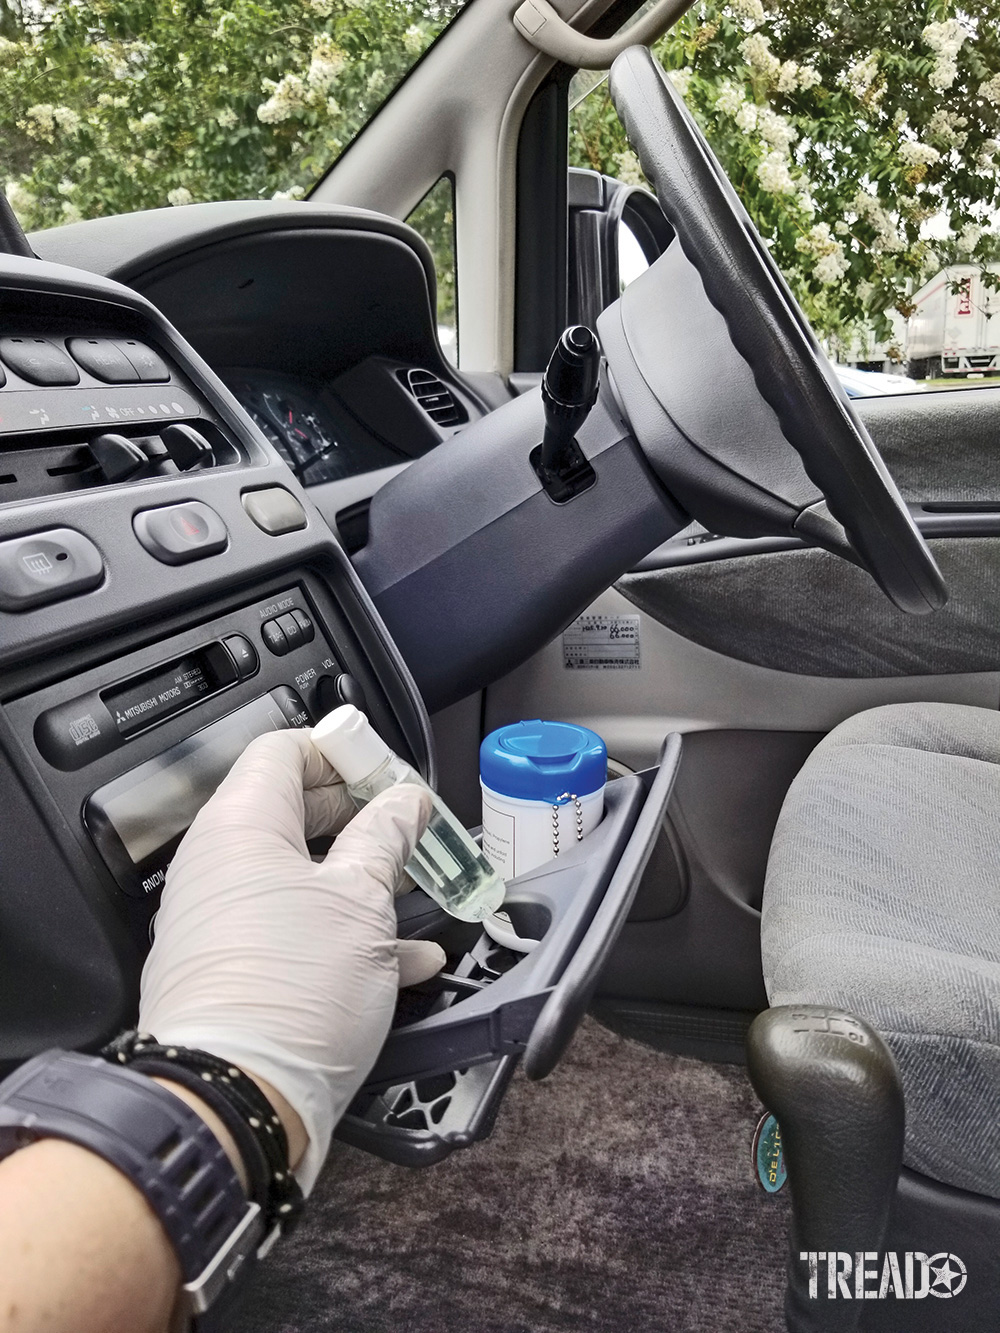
[176,534]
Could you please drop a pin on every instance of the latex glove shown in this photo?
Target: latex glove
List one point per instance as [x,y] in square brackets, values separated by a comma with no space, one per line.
[286,967]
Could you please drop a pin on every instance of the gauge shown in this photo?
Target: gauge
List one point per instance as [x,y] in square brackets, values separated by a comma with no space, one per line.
[300,428]
[292,418]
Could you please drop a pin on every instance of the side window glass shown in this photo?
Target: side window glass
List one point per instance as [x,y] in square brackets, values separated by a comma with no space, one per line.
[434,219]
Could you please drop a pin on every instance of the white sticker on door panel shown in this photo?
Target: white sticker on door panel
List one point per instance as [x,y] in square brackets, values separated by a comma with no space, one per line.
[602,643]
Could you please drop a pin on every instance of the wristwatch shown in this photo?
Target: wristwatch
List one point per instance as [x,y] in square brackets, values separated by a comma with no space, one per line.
[164,1148]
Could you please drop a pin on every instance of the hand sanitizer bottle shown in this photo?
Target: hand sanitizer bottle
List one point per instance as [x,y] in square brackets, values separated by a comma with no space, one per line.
[446,863]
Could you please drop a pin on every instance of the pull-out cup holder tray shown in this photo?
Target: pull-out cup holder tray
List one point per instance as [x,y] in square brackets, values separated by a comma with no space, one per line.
[442,1073]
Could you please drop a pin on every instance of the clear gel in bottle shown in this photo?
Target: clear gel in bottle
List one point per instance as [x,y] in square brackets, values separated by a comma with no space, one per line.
[446,863]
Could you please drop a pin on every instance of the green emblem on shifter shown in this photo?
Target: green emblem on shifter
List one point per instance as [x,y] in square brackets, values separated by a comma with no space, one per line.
[768,1155]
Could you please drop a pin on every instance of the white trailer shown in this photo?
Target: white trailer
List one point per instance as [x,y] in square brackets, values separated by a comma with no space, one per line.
[955,328]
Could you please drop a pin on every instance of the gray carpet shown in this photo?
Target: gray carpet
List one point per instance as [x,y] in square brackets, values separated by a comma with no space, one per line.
[616,1195]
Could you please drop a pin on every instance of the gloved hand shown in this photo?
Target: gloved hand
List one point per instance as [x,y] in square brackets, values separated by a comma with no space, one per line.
[286,967]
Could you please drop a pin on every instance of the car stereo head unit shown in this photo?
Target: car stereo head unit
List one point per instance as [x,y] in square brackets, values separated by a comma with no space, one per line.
[137,820]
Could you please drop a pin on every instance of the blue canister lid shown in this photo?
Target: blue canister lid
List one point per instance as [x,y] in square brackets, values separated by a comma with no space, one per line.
[541,761]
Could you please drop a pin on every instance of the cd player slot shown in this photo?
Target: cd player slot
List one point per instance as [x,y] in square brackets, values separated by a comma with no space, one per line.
[169,689]
[75,733]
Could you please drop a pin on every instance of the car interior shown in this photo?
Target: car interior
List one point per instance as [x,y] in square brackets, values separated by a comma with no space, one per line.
[242,482]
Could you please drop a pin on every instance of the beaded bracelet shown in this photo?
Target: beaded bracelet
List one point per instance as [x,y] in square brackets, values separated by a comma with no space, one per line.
[240,1105]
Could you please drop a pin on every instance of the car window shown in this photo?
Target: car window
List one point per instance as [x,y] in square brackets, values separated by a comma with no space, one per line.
[116,106]
[434,219]
[864,141]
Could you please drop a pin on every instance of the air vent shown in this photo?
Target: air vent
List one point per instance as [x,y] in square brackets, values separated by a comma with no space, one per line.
[434,397]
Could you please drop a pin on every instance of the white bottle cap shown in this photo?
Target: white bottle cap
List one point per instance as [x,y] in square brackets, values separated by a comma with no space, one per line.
[348,741]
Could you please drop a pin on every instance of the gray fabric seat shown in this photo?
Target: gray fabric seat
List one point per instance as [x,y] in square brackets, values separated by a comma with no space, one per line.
[883,897]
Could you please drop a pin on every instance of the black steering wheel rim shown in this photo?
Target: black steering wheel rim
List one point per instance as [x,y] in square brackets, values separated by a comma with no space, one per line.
[770,331]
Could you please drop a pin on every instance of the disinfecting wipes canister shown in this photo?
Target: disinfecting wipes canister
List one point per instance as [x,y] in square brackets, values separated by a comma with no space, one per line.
[543,791]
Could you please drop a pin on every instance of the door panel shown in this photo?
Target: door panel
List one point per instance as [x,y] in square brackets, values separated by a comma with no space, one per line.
[808,612]
[682,686]
[939,447]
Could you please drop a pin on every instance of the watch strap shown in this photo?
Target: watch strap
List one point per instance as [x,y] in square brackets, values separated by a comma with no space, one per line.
[161,1145]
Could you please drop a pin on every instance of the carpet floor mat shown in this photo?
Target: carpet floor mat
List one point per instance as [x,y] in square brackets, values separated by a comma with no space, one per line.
[616,1196]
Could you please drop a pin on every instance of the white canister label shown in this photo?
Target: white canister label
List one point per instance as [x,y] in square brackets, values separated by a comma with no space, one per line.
[519,835]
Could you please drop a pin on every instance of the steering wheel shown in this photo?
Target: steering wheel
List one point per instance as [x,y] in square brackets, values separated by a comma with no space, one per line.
[766,326]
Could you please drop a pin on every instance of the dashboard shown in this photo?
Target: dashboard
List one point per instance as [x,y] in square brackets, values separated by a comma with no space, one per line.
[168,590]
[320,321]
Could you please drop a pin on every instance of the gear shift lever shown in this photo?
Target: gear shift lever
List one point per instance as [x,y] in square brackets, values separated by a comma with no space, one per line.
[569,391]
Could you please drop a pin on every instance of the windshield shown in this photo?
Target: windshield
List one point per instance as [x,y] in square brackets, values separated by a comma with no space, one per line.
[117,105]
[864,141]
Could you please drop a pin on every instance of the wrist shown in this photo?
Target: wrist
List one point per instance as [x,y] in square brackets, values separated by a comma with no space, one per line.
[293,1126]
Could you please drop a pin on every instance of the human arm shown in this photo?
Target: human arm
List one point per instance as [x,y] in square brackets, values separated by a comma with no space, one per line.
[285,967]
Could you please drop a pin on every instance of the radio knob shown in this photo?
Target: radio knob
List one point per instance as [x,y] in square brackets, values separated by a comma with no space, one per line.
[332,691]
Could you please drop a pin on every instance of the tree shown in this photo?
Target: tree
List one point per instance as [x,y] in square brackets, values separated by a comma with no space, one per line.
[862,138]
[117,105]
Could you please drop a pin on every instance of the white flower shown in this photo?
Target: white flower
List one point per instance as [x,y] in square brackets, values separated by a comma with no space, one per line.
[775,129]
[756,51]
[39,121]
[150,121]
[860,79]
[947,127]
[327,62]
[184,62]
[21,200]
[179,197]
[990,90]
[865,291]
[944,73]
[809,77]
[413,40]
[628,168]
[887,239]
[82,164]
[43,120]
[831,262]
[830,269]
[324,8]
[376,82]
[774,175]
[730,98]
[946,38]
[70,213]
[913,154]
[296,192]
[746,118]
[841,228]
[66,186]
[986,154]
[750,10]
[288,97]
[788,77]
[968,237]
[681,79]
[227,118]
